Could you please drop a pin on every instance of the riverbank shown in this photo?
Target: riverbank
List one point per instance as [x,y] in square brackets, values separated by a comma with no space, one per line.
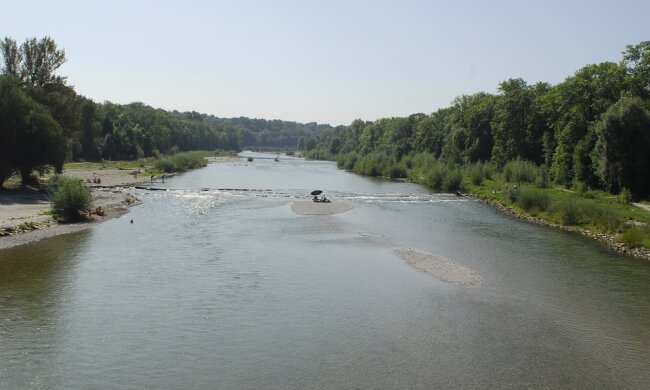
[24,211]
[609,240]
[25,217]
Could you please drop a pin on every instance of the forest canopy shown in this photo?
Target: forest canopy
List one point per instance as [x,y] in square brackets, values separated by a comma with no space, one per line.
[590,130]
[44,122]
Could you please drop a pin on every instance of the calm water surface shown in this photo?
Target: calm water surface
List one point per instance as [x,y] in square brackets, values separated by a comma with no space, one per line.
[218,284]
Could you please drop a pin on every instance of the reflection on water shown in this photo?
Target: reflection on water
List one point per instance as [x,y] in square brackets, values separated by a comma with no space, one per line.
[231,289]
[35,285]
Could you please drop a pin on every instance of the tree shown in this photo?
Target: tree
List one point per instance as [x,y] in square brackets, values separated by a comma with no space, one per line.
[31,137]
[12,57]
[574,106]
[636,60]
[40,60]
[623,141]
[511,121]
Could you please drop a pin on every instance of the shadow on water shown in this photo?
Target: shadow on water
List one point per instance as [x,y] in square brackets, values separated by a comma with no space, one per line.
[34,281]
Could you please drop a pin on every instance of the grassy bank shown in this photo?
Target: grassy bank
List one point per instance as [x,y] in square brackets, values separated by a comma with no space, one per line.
[179,162]
[520,186]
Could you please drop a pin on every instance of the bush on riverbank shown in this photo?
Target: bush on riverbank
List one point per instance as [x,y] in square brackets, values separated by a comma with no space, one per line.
[636,236]
[533,199]
[478,172]
[374,164]
[520,171]
[319,154]
[70,199]
[580,211]
[347,161]
[182,162]
[521,184]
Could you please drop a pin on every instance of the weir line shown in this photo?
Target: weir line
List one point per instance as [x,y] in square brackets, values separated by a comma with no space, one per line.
[304,194]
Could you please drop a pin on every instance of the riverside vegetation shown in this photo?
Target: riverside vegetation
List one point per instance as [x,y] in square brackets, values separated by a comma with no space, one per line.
[519,185]
[44,123]
[574,153]
[70,199]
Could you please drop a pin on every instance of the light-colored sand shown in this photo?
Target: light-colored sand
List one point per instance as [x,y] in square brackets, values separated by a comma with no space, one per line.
[109,177]
[24,214]
[443,269]
[54,229]
[309,207]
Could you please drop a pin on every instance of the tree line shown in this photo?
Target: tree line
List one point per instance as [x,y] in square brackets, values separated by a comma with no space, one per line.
[44,122]
[591,130]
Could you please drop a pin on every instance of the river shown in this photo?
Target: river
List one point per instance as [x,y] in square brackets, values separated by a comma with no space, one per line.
[217,283]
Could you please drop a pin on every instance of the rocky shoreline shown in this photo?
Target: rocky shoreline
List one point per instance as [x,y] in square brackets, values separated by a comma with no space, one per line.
[608,240]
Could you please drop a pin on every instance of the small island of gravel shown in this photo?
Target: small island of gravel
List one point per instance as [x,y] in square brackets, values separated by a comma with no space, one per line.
[309,207]
[443,269]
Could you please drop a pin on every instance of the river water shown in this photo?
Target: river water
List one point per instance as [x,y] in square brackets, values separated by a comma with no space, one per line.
[218,284]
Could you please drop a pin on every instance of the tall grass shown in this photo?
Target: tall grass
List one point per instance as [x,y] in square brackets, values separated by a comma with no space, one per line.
[453,180]
[520,171]
[636,236]
[374,164]
[319,154]
[543,178]
[581,211]
[533,199]
[69,199]
[478,172]
[443,177]
[182,162]
[347,161]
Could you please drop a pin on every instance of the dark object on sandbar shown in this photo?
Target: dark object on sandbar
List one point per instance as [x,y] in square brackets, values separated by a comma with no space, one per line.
[316,192]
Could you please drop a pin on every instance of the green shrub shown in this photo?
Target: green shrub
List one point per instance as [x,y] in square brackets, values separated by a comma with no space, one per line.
[636,236]
[69,199]
[374,164]
[569,211]
[543,178]
[435,176]
[520,171]
[182,162]
[625,196]
[321,153]
[531,199]
[408,162]
[580,186]
[347,160]
[513,192]
[478,172]
[452,180]
[475,173]
[488,170]
[397,171]
[576,211]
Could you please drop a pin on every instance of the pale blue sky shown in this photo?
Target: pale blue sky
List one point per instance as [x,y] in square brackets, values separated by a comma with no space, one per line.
[325,61]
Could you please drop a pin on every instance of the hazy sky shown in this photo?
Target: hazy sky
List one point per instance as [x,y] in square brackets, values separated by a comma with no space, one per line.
[325,61]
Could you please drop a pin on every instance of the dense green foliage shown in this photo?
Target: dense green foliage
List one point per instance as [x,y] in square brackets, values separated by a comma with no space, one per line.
[182,162]
[43,122]
[590,131]
[69,198]
[35,116]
